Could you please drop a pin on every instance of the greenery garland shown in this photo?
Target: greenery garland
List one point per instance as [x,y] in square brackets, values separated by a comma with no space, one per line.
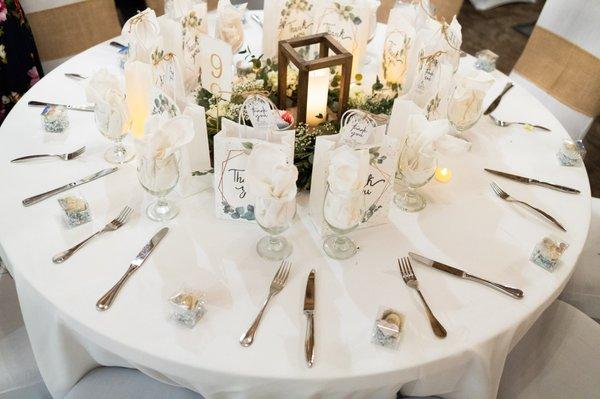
[263,79]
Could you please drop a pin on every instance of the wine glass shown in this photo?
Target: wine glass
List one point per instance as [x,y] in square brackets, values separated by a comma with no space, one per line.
[113,122]
[465,107]
[159,177]
[414,171]
[343,213]
[274,215]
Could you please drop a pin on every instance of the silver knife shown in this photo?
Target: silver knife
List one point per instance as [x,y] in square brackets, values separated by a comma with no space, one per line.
[107,299]
[528,180]
[496,102]
[514,292]
[85,108]
[309,311]
[40,197]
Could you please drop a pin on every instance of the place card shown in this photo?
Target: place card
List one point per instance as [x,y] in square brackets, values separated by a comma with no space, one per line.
[215,65]
[286,19]
[348,23]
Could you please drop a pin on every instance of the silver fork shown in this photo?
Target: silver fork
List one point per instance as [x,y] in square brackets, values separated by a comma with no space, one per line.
[65,157]
[110,226]
[277,285]
[408,275]
[505,196]
[500,123]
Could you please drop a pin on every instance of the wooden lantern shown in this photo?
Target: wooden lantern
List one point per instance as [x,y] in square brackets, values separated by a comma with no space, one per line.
[287,52]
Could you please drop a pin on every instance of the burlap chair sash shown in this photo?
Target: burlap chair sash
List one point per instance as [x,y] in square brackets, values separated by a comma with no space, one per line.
[563,70]
[67,30]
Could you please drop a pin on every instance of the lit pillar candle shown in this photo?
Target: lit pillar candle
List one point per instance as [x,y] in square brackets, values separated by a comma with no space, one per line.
[318,90]
[443,175]
[138,81]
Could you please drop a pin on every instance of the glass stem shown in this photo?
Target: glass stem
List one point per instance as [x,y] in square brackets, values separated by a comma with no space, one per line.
[119,147]
[274,243]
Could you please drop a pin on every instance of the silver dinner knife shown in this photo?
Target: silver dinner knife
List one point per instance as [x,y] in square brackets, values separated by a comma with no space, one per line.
[309,311]
[107,299]
[496,102]
[40,197]
[528,180]
[514,292]
[85,108]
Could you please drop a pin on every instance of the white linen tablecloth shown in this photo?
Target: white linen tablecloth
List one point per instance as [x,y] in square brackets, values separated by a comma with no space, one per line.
[464,225]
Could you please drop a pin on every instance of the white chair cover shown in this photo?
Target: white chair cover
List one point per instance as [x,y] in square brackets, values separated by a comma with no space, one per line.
[583,290]
[19,375]
[558,358]
[577,22]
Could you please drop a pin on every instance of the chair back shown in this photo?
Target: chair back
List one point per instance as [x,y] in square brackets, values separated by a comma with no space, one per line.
[63,28]
[562,61]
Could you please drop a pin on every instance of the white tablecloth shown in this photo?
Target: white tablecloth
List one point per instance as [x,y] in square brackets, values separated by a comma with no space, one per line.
[464,224]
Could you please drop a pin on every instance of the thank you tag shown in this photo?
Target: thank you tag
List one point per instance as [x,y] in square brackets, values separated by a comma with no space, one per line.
[260,111]
[215,66]
[357,128]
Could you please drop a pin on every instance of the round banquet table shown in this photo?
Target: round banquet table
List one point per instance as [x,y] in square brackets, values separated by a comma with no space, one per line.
[464,224]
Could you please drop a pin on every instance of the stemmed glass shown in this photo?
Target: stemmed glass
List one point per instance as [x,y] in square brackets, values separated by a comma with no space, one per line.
[159,177]
[274,215]
[413,172]
[343,213]
[465,107]
[113,122]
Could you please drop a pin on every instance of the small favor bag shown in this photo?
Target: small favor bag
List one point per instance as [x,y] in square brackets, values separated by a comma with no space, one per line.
[232,146]
[358,130]
[286,19]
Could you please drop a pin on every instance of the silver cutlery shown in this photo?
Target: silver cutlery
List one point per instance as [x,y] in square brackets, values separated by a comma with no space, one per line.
[75,76]
[85,108]
[277,285]
[500,123]
[105,302]
[110,226]
[496,102]
[40,197]
[514,292]
[309,311]
[506,197]
[118,45]
[257,19]
[528,180]
[409,277]
[65,157]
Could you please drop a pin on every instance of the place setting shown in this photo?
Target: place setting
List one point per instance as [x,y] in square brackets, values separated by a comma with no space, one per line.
[354,184]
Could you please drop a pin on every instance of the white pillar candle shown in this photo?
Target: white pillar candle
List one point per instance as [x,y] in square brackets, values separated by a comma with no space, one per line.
[138,81]
[318,90]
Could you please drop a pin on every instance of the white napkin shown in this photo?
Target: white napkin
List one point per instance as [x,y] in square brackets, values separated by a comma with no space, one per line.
[143,34]
[270,172]
[348,169]
[105,90]
[422,136]
[164,136]
[229,24]
[271,178]
[467,98]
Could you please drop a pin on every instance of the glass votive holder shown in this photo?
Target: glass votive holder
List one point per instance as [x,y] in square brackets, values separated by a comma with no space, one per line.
[388,328]
[571,153]
[76,210]
[55,118]
[486,60]
[547,253]
[187,307]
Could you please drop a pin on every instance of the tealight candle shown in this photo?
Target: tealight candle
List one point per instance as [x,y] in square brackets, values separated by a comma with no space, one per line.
[318,90]
[443,175]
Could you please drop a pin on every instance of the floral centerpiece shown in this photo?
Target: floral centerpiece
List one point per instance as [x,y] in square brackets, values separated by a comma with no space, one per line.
[263,79]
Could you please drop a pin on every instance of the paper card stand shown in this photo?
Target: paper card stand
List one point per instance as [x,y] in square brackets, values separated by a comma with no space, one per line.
[378,189]
[232,145]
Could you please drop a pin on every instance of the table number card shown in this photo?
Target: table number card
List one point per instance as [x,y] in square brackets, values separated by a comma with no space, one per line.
[216,60]
[399,39]
[286,19]
[348,22]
